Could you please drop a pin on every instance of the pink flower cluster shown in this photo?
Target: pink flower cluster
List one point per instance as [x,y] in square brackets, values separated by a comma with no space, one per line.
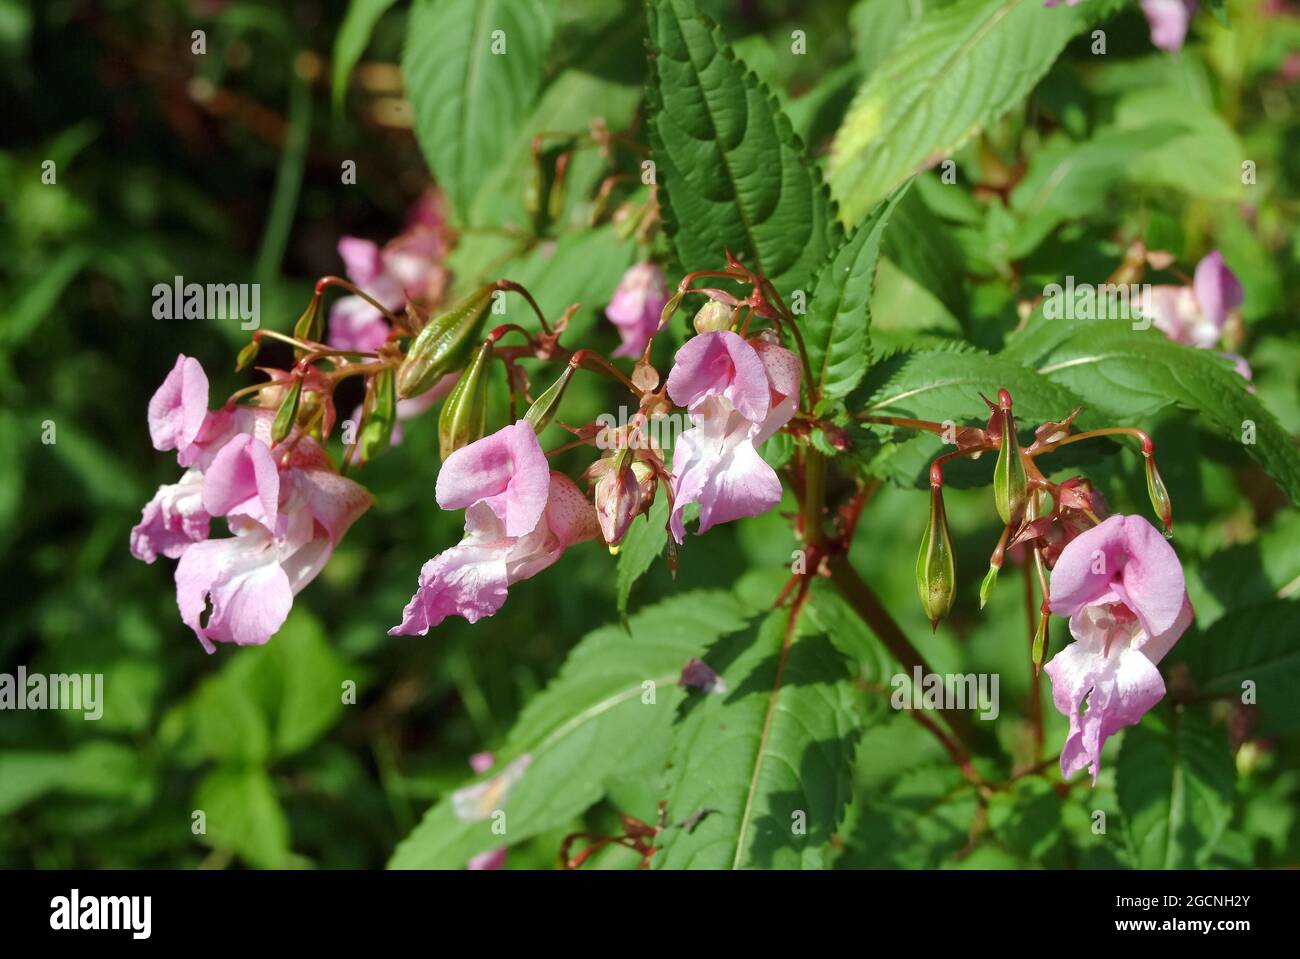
[285,506]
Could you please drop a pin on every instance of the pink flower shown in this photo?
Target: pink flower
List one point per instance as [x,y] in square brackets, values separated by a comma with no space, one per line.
[471,578]
[1195,315]
[1168,20]
[408,267]
[637,304]
[506,471]
[493,858]
[738,394]
[172,520]
[1122,587]
[285,525]
[178,407]
[286,512]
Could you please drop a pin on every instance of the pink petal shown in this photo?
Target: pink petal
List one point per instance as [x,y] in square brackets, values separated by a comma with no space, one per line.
[356,325]
[783,374]
[569,514]
[636,307]
[720,364]
[506,470]
[1168,20]
[248,591]
[1217,290]
[244,480]
[172,520]
[742,484]
[179,406]
[361,259]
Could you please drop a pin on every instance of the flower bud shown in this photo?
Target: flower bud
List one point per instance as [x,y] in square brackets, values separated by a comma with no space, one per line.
[713,317]
[624,488]
[1040,641]
[936,577]
[310,326]
[547,405]
[1010,481]
[444,342]
[463,419]
[377,431]
[287,414]
[990,580]
[247,354]
[1160,501]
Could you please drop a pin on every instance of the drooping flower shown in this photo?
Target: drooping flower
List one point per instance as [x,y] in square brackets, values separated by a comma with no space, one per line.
[285,526]
[285,512]
[1122,587]
[1196,314]
[471,578]
[637,305]
[738,393]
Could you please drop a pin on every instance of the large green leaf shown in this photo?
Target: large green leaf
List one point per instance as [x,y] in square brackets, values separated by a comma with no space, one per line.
[1129,375]
[643,544]
[1174,779]
[838,324]
[760,769]
[732,172]
[596,722]
[244,815]
[945,385]
[955,71]
[1260,645]
[468,99]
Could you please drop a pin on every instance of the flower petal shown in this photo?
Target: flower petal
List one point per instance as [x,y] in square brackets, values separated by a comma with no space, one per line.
[720,364]
[506,470]
[179,406]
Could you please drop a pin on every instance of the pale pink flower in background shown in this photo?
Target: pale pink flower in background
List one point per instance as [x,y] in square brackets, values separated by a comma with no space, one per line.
[493,858]
[1196,314]
[479,801]
[1122,587]
[636,307]
[1168,20]
[471,578]
[408,267]
[738,393]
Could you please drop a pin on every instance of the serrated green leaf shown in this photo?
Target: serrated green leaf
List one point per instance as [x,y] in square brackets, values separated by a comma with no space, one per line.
[1174,779]
[836,329]
[1258,645]
[594,723]
[1130,375]
[763,766]
[467,99]
[731,171]
[954,72]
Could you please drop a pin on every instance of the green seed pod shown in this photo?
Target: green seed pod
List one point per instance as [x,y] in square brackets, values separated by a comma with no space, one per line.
[463,419]
[310,324]
[380,415]
[990,580]
[1159,494]
[545,406]
[247,354]
[1010,481]
[444,343]
[936,576]
[287,414]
